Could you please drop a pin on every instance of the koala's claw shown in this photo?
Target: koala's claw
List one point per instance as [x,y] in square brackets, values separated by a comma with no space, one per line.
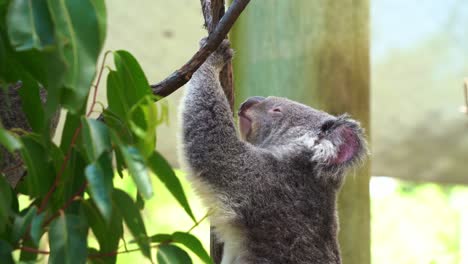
[221,55]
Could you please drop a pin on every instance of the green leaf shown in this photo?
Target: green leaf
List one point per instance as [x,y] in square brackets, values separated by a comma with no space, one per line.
[161,238]
[107,234]
[72,179]
[29,25]
[139,201]
[143,118]
[132,76]
[186,239]
[192,243]
[26,256]
[95,137]
[31,103]
[68,240]
[40,169]
[164,172]
[127,85]
[138,171]
[80,41]
[133,220]
[118,105]
[22,223]
[36,228]
[70,130]
[170,254]
[5,202]
[99,260]
[5,253]
[9,141]
[99,176]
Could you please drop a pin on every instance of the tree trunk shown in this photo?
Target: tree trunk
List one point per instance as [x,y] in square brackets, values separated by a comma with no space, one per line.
[315,52]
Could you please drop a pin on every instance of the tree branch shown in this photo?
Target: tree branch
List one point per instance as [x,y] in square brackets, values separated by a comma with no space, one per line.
[183,75]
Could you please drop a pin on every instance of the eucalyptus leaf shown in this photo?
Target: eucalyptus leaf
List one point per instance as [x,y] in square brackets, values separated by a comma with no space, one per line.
[132,217]
[36,228]
[170,254]
[5,202]
[99,176]
[80,40]
[132,77]
[6,252]
[41,173]
[28,92]
[27,257]
[95,137]
[161,238]
[22,222]
[9,141]
[164,172]
[107,233]
[127,85]
[137,169]
[143,118]
[68,240]
[29,25]
[192,243]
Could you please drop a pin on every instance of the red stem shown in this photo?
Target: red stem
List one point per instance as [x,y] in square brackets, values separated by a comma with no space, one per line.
[34,250]
[62,169]
[96,86]
[77,194]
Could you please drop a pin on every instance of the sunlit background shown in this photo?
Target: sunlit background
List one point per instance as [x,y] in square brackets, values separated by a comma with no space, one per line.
[419,57]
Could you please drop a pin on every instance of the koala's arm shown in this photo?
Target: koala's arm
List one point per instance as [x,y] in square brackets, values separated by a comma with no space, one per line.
[211,145]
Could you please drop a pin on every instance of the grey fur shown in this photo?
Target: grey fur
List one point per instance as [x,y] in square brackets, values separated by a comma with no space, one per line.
[273,194]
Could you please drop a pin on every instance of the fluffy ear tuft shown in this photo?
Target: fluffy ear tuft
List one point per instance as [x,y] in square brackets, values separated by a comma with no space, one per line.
[339,142]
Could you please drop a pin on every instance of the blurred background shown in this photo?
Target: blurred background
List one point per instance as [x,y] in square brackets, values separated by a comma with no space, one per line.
[419,141]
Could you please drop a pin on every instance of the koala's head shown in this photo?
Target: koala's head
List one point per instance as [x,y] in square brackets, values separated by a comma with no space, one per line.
[296,129]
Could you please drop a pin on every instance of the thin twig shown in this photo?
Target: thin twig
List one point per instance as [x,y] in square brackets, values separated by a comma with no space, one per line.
[34,250]
[96,86]
[198,222]
[77,194]
[62,170]
[183,75]
[114,253]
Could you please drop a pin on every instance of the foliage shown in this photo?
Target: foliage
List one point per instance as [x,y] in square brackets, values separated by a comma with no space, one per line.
[55,45]
[417,223]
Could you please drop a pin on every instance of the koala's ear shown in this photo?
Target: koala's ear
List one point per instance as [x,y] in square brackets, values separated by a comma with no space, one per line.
[338,142]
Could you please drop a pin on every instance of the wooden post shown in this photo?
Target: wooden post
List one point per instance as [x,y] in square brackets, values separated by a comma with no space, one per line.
[315,52]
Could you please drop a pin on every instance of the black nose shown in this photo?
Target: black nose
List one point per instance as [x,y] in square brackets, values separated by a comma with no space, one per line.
[250,102]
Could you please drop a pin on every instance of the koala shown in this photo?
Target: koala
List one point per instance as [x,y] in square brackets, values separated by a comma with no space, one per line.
[272,190]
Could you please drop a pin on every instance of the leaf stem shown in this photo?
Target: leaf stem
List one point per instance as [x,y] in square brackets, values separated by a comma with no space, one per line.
[198,222]
[77,194]
[96,86]
[62,170]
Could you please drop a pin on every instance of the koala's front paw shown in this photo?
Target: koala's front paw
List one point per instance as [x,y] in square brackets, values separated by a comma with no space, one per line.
[221,55]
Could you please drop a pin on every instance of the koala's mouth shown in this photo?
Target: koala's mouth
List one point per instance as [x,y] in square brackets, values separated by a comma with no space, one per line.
[245,122]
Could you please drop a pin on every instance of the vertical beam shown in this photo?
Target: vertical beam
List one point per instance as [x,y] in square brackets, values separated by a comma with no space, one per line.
[315,52]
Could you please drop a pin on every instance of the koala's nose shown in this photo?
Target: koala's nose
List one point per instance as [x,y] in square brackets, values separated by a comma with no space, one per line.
[249,103]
